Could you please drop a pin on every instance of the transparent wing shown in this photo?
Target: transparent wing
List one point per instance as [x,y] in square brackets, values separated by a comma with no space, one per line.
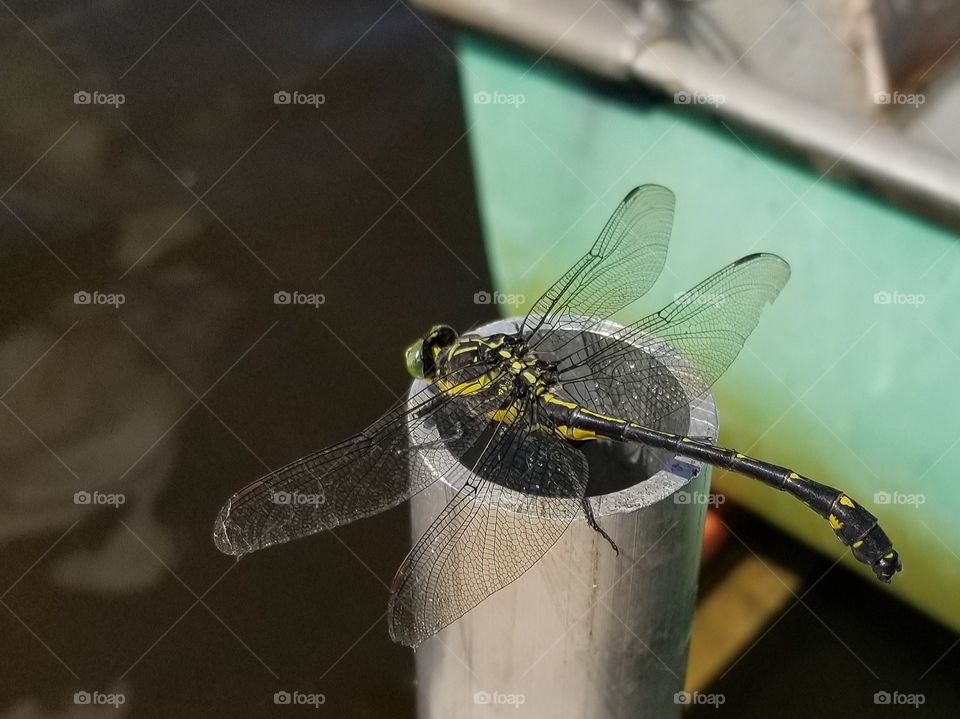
[621,266]
[527,486]
[659,364]
[382,466]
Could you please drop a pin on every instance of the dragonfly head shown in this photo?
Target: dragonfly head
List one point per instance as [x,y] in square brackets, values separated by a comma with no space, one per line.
[422,355]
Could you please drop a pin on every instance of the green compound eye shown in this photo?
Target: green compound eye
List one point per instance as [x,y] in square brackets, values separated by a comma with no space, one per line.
[414,358]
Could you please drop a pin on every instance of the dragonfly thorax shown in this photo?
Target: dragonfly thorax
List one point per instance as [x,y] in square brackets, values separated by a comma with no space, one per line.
[501,354]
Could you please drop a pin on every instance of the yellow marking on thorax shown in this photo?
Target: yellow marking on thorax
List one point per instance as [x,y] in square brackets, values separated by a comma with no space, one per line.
[464,350]
[506,416]
[467,387]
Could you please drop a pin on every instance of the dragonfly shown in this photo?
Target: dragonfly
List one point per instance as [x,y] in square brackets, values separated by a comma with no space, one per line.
[504,419]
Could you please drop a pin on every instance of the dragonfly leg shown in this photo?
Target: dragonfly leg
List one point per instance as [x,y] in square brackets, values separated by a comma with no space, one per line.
[592,521]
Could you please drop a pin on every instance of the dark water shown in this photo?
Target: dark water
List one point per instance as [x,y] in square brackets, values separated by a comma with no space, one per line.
[181,212]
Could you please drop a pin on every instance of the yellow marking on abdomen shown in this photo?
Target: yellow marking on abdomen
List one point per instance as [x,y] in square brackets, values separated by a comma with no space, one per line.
[553,399]
[584,410]
[575,433]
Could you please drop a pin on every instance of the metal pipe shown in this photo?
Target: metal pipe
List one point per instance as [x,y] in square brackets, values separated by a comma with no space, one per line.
[874,150]
[620,42]
[585,633]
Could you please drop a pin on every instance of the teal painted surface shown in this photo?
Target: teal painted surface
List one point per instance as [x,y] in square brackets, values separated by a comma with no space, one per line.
[834,383]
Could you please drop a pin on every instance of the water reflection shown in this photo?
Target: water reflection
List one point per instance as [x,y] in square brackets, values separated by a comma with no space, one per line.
[146,373]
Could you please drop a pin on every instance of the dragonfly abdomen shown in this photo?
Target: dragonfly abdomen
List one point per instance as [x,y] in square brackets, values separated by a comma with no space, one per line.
[853,525]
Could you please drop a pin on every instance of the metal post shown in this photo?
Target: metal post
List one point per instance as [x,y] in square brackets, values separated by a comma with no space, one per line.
[585,633]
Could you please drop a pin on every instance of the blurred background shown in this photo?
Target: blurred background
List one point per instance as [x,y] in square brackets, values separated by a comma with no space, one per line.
[172,174]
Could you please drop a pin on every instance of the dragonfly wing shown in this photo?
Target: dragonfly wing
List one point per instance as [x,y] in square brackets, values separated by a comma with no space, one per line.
[382,466]
[526,487]
[658,365]
[622,265]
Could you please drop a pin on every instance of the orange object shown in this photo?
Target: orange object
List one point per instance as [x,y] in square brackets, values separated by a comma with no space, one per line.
[714,536]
